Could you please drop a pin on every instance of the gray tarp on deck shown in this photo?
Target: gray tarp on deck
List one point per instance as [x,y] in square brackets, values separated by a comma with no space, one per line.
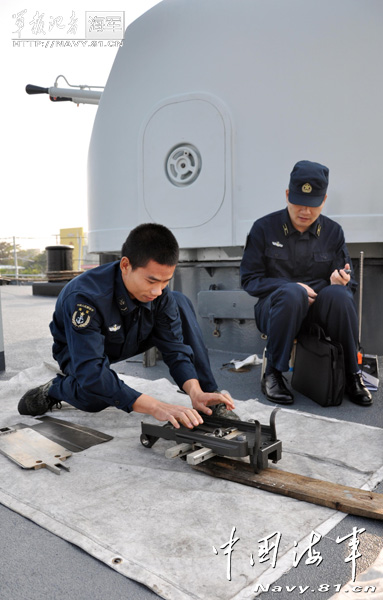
[160,519]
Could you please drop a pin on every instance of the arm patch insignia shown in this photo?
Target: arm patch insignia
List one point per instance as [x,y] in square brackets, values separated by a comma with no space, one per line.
[82,316]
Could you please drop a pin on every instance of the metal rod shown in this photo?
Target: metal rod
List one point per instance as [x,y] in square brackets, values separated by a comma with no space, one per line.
[78,96]
[15,259]
[360,293]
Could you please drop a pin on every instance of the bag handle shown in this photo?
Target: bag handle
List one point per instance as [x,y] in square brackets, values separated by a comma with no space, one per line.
[317,331]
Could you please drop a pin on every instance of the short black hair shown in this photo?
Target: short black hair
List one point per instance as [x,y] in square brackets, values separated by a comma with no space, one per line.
[150,241]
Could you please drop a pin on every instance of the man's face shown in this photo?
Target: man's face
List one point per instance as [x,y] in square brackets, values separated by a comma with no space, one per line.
[145,283]
[302,217]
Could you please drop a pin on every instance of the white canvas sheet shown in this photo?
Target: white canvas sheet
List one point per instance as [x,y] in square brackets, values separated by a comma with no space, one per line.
[156,520]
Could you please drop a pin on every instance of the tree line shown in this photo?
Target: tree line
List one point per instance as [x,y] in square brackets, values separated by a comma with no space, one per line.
[32,260]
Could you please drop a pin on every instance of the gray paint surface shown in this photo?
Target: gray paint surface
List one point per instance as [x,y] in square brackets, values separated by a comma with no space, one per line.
[253,87]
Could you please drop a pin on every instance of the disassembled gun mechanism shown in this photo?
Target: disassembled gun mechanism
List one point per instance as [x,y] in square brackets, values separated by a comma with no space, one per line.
[219,436]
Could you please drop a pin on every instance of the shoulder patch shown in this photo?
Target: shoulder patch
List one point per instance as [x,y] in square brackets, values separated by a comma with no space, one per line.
[82,316]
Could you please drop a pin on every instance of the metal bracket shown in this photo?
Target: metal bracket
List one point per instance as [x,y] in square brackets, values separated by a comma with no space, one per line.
[220,436]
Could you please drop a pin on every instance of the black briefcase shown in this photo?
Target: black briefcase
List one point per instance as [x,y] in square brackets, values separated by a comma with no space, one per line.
[319,368]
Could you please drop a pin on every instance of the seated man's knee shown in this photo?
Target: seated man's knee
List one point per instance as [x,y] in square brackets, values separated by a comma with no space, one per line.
[336,296]
[290,295]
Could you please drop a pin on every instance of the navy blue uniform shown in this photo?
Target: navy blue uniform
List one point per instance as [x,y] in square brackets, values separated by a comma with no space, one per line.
[276,258]
[96,323]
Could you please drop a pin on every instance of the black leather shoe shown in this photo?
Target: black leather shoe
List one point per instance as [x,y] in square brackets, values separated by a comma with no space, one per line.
[275,390]
[357,391]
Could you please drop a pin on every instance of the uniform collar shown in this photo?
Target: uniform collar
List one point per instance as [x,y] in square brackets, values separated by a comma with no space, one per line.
[125,303]
[289,229]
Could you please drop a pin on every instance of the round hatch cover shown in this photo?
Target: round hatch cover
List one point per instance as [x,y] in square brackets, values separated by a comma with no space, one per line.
[183,165]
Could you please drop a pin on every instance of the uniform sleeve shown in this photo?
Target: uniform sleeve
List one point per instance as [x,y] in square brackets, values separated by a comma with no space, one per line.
[88,362]
[342,257]
[253,267]
[167,336]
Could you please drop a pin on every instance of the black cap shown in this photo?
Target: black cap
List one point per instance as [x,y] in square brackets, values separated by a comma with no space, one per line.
[308,183]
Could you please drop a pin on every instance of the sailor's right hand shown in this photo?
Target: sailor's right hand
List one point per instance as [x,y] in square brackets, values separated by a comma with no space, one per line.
[162,411]
[177,414]
[310,292]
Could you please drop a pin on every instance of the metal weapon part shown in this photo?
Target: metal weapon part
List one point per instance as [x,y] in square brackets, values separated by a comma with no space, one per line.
[219,436]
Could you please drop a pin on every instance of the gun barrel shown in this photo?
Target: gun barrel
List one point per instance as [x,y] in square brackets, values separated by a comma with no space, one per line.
[35,89]
[77,95]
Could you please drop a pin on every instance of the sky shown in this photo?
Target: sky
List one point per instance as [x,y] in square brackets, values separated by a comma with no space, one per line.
[45,144]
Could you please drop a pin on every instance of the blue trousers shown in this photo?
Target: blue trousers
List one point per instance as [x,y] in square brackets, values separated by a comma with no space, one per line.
[192,335]
[65,389]
[282,314]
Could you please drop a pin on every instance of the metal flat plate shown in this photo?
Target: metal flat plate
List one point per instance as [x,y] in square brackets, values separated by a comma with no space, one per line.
[31,450]
[74,437]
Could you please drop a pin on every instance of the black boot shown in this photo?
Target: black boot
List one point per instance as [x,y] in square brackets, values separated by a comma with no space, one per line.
[37,401]
[274,387]
[357,391]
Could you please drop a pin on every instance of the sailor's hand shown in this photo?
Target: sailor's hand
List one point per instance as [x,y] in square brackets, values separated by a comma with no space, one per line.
[311,294]
[162,411]
[340,276]
[203,400]
[177,415]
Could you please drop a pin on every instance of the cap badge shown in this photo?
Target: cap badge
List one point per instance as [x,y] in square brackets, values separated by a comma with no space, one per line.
[306,188]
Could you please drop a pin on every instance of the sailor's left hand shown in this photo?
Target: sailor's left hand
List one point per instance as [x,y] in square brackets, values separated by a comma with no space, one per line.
[202,400]
[206,399]
[339,276]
